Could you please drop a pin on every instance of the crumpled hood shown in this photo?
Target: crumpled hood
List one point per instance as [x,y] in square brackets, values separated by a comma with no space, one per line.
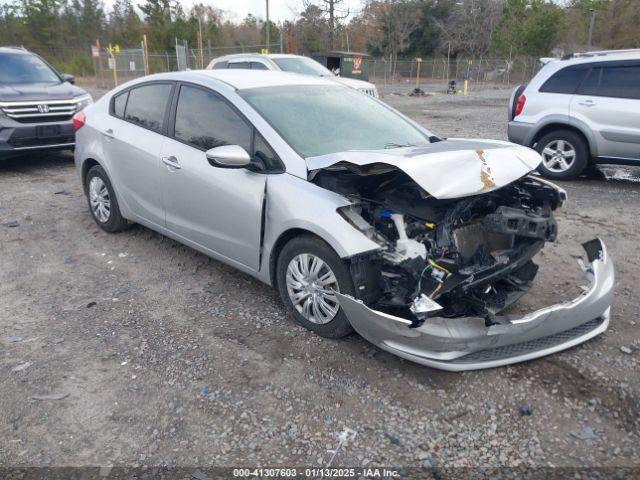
[451,168]
[39,91]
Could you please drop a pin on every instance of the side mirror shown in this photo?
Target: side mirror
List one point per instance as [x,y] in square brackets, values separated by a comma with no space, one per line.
[228,156]
[68,78]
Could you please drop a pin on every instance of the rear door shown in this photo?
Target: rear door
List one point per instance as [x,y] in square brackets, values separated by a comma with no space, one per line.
[217,208]
[608,101]
[554,96]
[133,134]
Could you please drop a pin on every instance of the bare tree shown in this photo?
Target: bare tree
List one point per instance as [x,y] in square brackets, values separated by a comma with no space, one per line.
[470,26]
[334,11]
[397,20]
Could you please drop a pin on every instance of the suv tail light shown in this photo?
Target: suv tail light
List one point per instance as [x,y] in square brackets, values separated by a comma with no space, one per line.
[78,121]
[520,105]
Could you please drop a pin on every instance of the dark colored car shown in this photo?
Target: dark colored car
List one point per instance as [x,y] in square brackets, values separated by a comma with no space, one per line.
[37,104]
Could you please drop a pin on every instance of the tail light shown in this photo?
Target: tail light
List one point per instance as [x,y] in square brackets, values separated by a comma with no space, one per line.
[78,121]
[520,105]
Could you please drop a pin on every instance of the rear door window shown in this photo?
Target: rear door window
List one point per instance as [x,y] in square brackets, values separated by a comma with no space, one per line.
[620,82]
[204,121]
[591,83]
[147,105]
[566,80]
[258,66]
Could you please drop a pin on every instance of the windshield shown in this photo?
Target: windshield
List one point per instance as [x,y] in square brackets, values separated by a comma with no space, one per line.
[304,65]
[321,119]
[21,68]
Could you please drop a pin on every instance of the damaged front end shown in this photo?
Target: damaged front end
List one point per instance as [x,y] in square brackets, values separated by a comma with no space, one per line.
[447,267]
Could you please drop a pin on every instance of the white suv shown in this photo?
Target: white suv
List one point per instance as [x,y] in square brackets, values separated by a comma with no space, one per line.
[580,111]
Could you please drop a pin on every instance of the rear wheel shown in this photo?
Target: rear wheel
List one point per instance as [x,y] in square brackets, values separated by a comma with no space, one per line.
[564,153]
[309,273]
[103,203]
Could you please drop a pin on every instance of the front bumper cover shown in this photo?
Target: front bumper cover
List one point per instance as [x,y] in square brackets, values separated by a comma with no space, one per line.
[466,343]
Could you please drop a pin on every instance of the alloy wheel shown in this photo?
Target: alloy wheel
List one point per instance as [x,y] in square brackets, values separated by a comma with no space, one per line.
[558,156]
[99,199]
[311,286]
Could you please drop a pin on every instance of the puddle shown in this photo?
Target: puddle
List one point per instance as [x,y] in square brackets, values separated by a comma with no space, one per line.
[628,174]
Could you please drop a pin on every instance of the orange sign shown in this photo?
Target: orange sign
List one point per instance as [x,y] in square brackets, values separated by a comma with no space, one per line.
[357,63]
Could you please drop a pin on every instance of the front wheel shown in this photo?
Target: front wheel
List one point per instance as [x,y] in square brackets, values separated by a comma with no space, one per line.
[309,273]
[564,153]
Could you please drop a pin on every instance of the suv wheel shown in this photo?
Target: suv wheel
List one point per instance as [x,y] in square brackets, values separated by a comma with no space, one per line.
[308,274]
[564,155]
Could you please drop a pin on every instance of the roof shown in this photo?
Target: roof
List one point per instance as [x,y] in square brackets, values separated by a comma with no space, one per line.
[254,55]
[341,53]
[245,79]
[600,56]
[11,49]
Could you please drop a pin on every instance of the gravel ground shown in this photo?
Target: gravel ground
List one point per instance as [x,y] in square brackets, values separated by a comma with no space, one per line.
[133,350]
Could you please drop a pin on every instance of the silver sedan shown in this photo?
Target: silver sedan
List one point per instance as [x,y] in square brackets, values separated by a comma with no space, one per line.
[361,218]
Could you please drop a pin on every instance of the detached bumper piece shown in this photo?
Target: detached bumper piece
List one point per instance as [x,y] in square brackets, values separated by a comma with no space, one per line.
[466,343]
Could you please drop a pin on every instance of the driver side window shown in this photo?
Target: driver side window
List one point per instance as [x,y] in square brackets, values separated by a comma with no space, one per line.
[204,121]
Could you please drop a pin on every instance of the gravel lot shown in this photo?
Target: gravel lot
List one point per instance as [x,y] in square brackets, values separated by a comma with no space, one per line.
[165,357]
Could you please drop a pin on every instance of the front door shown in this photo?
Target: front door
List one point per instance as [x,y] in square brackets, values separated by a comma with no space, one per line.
[217,208]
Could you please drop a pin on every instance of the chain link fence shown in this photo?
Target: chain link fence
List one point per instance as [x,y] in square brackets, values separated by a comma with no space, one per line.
[107,70]
[115,68]
[495,71]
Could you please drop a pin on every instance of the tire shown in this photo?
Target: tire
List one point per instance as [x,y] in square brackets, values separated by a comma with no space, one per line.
[102,201]
[291,255]
[562,166]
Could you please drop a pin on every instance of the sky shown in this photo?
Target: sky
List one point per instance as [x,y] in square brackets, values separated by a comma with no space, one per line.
[279,10]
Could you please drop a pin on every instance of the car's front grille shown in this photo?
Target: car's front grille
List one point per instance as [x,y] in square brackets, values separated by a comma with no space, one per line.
[518,349]
[39,111]
[41,142]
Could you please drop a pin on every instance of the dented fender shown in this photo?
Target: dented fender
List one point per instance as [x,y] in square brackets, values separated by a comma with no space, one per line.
[466,343]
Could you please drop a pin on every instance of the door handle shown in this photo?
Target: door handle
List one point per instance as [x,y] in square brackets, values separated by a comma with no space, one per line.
[109,134]
[587,103]
[171,162]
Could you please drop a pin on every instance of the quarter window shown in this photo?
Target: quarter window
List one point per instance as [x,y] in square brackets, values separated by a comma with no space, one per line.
[220,65]
[205,121]
[147,105]
[119,102]
[265,153]
[566,80]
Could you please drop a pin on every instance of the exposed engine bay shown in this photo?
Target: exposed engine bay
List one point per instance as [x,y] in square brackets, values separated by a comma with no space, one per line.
[443,257]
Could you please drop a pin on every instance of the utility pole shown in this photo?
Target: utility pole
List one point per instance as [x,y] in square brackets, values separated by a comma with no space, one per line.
[593,20]
[268,27]
[200,46]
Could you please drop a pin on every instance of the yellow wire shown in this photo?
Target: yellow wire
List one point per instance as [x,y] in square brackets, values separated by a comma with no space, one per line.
[434,264]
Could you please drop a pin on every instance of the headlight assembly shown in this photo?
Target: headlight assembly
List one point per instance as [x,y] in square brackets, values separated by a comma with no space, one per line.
[83,101]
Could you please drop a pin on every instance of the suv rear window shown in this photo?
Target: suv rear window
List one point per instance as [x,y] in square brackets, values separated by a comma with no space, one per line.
[566,80]
[147,105]
[240,65]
